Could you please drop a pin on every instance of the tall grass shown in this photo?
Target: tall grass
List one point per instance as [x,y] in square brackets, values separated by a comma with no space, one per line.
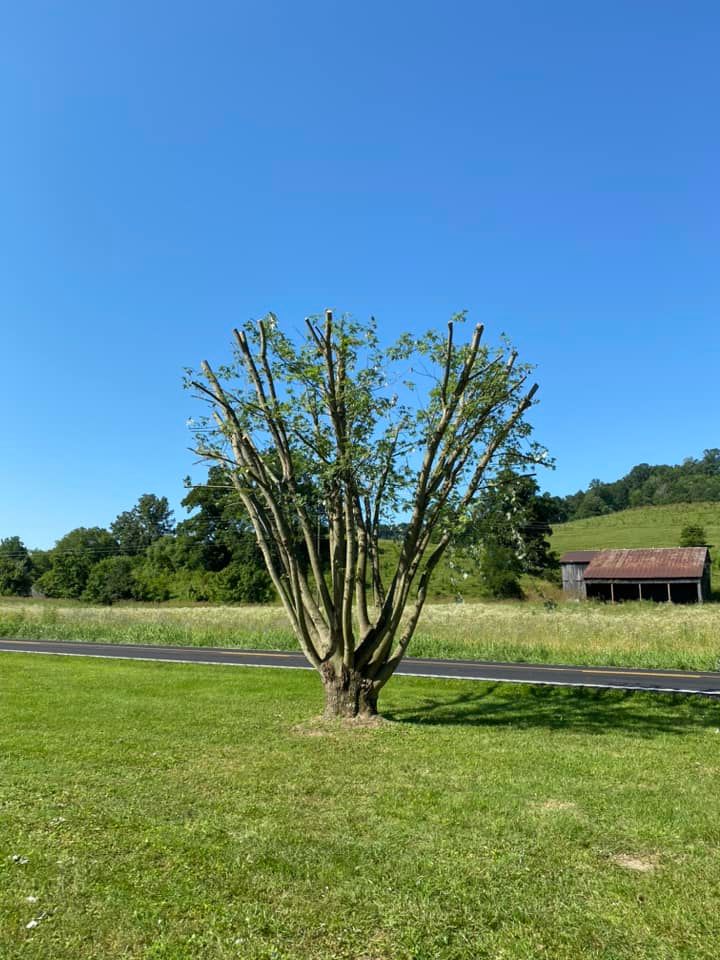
[633,634]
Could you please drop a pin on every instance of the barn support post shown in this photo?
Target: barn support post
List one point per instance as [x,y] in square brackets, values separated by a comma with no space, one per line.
[699,588]
[612,592]
[669,594]
[639,590]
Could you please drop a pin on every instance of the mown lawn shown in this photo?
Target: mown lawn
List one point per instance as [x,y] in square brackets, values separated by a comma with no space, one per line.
[177,811]
[630,634]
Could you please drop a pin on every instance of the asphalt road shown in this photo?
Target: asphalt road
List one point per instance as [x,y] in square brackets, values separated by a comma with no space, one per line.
[670,681]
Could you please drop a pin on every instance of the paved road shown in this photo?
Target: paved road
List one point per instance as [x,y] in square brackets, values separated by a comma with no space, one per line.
[673,681]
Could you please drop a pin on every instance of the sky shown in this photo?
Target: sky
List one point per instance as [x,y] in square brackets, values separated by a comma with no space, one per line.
[169,170]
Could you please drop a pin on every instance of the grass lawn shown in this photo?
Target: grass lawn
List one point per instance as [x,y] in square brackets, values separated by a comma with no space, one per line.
[176,811]
[631,634]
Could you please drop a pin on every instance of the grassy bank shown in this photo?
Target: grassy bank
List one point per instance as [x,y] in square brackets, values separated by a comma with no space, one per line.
[176,812]
[640,527]
[645,635]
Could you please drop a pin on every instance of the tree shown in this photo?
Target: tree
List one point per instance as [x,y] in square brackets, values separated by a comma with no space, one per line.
[500,569]
[240,582]
[217,533]
[693,535]
[513,520]
[170,570]
[327,398]
[16,568]
[136,529]
[72,559]
[591,505]
[111,579]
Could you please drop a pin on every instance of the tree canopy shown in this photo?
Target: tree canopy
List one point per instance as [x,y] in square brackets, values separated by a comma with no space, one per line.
[72,559]
[16,568]
[150,519]
[508,533]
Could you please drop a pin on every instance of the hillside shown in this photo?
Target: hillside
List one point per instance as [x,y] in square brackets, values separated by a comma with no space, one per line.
[446,584]
[692,481]
[639,527]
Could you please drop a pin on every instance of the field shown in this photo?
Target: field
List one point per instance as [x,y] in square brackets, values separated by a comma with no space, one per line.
[174,812]
[645,635]
[641,527]
[545,630]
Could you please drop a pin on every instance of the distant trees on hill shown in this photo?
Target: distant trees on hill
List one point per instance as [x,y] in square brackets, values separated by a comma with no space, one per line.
[692,481]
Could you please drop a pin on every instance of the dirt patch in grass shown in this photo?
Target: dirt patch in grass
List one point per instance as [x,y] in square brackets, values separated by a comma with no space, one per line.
[322,727]
[638,864]
[553,805]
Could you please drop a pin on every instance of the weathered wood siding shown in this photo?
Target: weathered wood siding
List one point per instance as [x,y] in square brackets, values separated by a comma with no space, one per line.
[573,580]
[706,585]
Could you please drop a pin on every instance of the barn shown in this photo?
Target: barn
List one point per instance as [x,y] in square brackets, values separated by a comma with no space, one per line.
[674,574]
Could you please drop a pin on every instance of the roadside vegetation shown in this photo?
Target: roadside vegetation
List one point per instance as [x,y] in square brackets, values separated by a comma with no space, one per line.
[170,811]
[630,634]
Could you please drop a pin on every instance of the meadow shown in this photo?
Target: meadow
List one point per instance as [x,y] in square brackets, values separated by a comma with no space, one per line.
[631,634]
[177,812]
[639,527]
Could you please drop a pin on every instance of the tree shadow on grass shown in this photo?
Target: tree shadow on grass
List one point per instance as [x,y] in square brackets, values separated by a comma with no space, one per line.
[573,709]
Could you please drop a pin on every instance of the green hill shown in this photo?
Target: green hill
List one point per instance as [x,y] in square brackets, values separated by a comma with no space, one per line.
[639,527]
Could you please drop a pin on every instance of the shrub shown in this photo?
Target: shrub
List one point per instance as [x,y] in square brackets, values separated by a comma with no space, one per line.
[693,535]
[241,583]
[15,568]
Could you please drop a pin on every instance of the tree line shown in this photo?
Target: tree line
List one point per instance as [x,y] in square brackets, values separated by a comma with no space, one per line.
[692,481]
[213,555]
[145,555]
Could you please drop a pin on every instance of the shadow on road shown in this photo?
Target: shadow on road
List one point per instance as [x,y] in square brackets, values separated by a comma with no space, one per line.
[578,709]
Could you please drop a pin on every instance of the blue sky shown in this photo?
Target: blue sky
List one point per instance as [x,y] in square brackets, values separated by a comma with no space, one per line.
[170,169]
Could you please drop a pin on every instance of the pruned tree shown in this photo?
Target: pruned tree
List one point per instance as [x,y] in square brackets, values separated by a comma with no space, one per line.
[333,403]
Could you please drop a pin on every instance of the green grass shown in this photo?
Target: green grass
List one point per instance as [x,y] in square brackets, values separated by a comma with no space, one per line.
[631,634]
[641,527]
[174,812]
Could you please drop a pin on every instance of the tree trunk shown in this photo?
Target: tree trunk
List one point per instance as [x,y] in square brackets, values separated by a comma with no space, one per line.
[348,694]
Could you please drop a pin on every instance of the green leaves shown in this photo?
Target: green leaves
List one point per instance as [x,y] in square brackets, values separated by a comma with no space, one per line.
[391,397]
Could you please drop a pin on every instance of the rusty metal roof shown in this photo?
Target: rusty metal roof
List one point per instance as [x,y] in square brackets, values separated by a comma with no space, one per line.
[578,556]
[658,563]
